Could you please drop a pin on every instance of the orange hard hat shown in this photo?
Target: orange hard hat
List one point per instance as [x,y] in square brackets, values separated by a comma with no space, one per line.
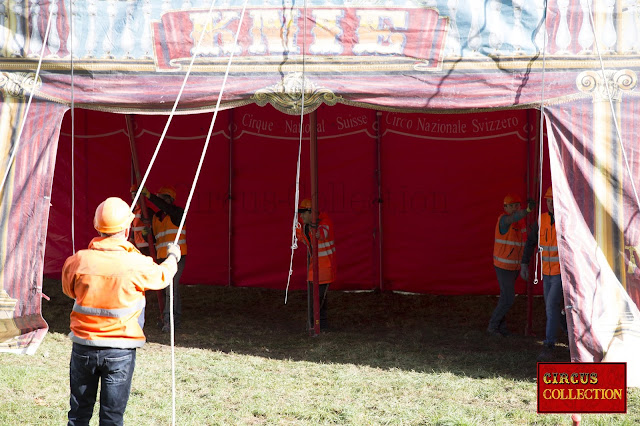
[512,199]
[304,205]
[134,188]
[549,193]
[112,216]
[168,190]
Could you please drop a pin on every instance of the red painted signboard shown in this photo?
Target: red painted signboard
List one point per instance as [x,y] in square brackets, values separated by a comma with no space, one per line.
[337,34]
[582,387]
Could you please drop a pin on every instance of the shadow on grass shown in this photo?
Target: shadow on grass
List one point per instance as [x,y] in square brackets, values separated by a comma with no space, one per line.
[423,333]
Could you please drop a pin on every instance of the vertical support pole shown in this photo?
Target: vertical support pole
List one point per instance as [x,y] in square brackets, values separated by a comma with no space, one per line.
[141,203]
[380,201]
[533,140]
[229,195]
[313,169]
[136,170]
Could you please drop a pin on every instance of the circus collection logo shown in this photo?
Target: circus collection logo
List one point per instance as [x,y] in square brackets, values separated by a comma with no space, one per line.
[357,39]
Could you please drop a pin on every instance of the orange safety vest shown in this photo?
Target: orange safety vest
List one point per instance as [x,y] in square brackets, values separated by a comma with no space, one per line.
[327,266]
[165,233]
[549,244]
[137,226]
[507,248]
[108,282]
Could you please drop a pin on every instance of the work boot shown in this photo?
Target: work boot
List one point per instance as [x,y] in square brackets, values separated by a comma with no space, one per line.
[494,333]
[504,331]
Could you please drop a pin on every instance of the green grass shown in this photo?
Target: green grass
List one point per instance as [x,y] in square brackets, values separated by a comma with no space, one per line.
[243,357]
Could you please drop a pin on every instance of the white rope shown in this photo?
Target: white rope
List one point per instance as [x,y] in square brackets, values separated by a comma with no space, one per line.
[538,254]
[73,134]
[26,112]
[142,184]
[296,224]
[173,110]
[193,187]
[613,111]
[213,120]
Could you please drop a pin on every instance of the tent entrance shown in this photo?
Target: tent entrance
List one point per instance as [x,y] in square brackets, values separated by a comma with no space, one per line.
[414,197]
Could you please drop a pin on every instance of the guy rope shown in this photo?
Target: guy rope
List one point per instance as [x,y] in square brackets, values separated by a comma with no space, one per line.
[296,224]
[195,179]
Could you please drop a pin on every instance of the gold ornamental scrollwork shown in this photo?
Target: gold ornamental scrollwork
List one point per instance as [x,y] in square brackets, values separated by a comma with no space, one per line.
[617,82]
[19,84]
[286,96]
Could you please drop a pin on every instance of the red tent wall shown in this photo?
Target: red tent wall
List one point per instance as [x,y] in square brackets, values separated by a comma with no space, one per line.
[443,178]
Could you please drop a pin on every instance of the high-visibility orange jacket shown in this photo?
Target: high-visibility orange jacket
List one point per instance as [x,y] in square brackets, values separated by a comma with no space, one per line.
[549,244]
[137,226]
[327,266]
[108,282]
[164,231]
[507,248]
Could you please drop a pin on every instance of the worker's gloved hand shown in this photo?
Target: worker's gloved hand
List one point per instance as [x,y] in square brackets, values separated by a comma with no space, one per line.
[524,271]
[531,205]
[174,250]
[145,192]
[145,231]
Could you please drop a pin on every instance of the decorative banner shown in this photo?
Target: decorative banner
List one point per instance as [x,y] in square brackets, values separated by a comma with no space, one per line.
[344,34]
[582,387]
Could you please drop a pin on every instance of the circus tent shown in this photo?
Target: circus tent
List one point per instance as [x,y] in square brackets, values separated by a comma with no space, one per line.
[421,100]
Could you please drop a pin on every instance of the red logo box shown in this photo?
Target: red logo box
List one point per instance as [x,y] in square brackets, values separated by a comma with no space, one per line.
[582,387]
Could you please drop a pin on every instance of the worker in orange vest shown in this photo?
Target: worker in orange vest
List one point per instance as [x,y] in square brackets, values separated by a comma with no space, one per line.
[510,237]
[108,283]
[327,265]
[139,227]
[165,224]
[552,280]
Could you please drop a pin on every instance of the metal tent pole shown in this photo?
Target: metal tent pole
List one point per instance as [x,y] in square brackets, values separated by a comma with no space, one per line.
[379,185]
[143,206]
[313,169]
[531,119]
[229,195]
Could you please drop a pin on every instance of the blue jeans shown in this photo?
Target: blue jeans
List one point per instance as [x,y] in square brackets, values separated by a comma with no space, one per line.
[507,282]
[88,365]
[554,304]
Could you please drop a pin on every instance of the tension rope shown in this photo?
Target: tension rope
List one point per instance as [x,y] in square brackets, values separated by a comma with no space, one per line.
[73,135]
[12,156]
[296,224]
[538,255]
[195,179]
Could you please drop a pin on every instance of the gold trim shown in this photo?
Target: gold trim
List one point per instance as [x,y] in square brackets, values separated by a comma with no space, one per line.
[236,104]
[336,64]
[150,111]
[286,96]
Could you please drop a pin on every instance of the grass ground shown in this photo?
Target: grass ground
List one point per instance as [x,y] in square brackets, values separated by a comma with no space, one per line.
[243,357]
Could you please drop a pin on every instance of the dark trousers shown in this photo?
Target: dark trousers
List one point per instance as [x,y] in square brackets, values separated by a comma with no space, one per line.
[89,365]
[507,281]
[322,289]
[554,305]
